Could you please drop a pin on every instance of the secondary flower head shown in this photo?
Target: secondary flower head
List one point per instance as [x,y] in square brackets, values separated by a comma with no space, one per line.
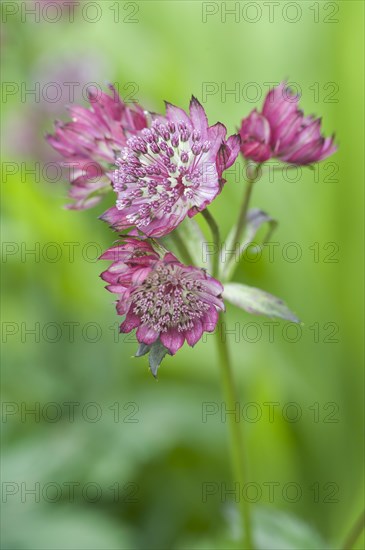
[91,142]
[171,170]
[281,130]
[166,301]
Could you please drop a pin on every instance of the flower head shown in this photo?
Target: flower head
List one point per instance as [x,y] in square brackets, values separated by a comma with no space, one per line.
[281,130]
[91,142]
[166,301]
[171,170]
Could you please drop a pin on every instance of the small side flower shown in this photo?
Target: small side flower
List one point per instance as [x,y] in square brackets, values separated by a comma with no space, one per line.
[91,142]
[282,131]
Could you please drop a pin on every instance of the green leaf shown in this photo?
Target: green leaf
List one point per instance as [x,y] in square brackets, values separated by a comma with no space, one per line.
[273,529]
[255,220]
[257,301]
[142,350]
[157,352]
[279,530]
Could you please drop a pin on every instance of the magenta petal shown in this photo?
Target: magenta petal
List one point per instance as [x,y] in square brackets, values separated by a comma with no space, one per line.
[258,152]
[210,299]
[216,135]
[115,218]
[255,135]
[146,335]
[329,148]
[131,321]
[305,153]
[255,126]
[175,114]
[140,275]
[170,258]
[172,340]
[123,303]
[194,334]
[210,320]
[280,103]
[233,143]
[228,153]
[91,140]
[116,289]
[199,117]
[214,286]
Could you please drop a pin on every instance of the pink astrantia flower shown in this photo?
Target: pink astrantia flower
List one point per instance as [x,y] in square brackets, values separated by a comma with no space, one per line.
[91,142]
[171,170]
[281,130]
[164,300]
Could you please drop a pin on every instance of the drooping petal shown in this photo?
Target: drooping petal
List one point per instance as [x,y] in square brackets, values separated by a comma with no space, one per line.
[328,148]
[131,321]
[194,334]
[115,219]
[172,340]
[146,335]
[210,320]
[93,138]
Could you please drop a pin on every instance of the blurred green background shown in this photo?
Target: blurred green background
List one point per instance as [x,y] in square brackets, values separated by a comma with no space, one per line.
[129,432]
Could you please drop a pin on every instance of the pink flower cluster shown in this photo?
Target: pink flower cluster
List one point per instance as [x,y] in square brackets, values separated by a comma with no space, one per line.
[164,168]
[171,170]
[92,142]
[163,299]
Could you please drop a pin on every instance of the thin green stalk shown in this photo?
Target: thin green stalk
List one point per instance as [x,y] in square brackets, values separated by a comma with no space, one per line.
[181,246]
[236,436]
[242,218]
[216,239]
[355,533]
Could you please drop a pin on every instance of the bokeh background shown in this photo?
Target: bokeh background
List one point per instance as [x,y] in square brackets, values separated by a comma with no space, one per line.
[146,438]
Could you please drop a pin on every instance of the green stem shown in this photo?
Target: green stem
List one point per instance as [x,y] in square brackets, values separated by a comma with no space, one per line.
[236,437]
[242,218]
[181,246]
[354,533]
[216,239]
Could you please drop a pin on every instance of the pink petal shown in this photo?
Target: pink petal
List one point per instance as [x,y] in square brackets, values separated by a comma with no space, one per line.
[194,334]
[329,148]
[216,135]
[116,219]
[175,114]
[140,275]
[146,335]
[172,340]
[131,321]
[199,117]
[210,320]
[228,153]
